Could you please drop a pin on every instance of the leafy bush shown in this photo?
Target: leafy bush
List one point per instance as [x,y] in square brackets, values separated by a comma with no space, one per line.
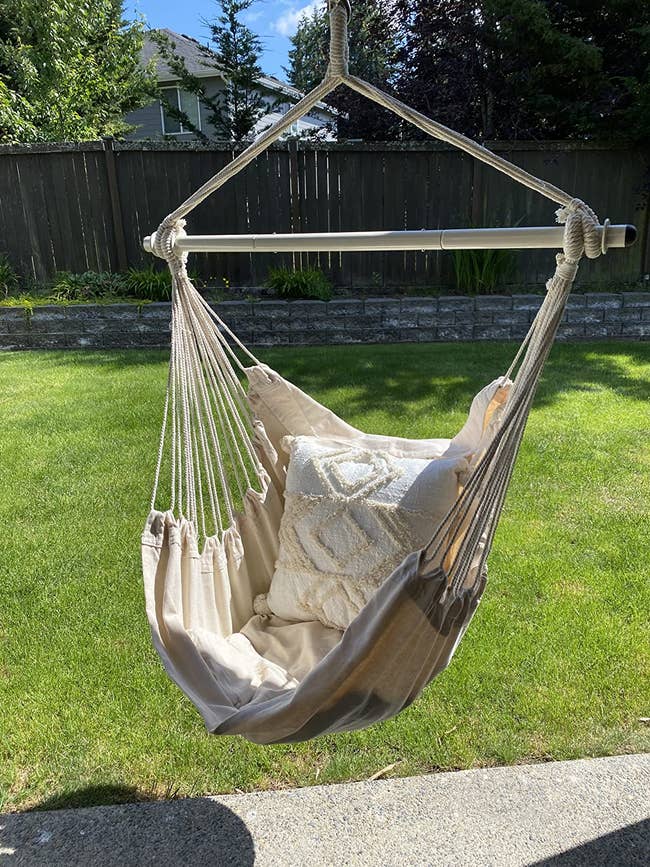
[150,283]
[309,283]
[482,271]
[88,286]
[8,278]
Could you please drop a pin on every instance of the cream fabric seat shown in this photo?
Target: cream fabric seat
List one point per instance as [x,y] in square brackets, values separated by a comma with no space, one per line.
[263,676]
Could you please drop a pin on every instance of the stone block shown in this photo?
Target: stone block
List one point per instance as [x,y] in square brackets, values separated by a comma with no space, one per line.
[18,325]
[455,332]
[531,303]
[638,329]
[433,320]
[492,332]
[308,309]
[84,341]
[603,301]
[12,314]
[387,335]
[159,311]
[480,317]
[407,319]
[236,308]
[584,314]
[514,317]
[426,335]
[518,332]
[571,331]
[332,323]
[280,325]
[52,340]
[455,303]
[344,306]
[270,310]
[420,306]
[625,314]
[636,299]
[266,338]
[384,305]
[13,342]
[162,329]
[111,339]
[493,302]
[604,329]
[47,319]
[311,337]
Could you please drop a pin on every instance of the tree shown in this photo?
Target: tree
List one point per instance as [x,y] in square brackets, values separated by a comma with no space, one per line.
[373,55]
[233,53]
[69,70]
[528,68]
[621,31]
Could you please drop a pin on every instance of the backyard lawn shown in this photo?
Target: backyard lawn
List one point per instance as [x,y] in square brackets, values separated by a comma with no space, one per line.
[554,666]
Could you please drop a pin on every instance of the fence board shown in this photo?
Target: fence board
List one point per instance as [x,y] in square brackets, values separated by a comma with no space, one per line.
[55,207]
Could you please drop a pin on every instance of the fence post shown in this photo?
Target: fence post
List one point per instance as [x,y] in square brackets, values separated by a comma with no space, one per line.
[116,207]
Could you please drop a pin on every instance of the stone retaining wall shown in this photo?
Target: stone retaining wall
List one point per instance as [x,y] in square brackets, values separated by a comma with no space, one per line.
[300,323]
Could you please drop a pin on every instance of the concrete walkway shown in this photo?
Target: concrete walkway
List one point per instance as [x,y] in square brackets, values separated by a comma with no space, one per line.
[590,812]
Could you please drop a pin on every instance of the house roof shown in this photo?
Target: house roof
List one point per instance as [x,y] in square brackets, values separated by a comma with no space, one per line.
[200,61]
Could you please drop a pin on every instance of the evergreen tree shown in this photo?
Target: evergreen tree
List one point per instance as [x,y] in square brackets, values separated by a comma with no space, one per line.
[621,31]
[528,68]
[69,70]
[233,53]
[373,55]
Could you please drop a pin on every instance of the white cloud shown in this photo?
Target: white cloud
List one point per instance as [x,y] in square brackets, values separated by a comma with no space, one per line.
[287,24]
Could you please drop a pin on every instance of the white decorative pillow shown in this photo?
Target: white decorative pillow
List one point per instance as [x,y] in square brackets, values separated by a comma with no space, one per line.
[351,516]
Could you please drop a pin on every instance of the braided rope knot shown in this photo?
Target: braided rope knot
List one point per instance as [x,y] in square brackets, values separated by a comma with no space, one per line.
[582,232]
[164,240]
[340,11]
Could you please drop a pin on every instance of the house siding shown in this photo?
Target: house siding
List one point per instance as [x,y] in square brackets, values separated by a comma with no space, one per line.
[147,120]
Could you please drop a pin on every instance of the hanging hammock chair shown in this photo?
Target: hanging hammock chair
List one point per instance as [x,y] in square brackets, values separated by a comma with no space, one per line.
[210,557]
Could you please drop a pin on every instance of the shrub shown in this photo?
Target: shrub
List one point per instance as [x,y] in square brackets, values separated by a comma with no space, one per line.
[87,286]
[308,283]
[149,284]
[8,278]
[482,271]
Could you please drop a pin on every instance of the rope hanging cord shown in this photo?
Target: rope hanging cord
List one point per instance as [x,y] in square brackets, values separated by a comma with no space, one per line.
[162,243]
[206,404]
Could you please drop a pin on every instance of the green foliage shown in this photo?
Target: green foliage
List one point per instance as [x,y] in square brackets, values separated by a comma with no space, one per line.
[89,286]
[234,53]
[481,272]
[148,284]
[9,281]
[513,69]
[373,56]
[69,70]
[309,283]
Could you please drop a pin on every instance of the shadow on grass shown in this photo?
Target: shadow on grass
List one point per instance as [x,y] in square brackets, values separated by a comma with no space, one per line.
[188,831]
[92,796]
[447,376]
[442,376]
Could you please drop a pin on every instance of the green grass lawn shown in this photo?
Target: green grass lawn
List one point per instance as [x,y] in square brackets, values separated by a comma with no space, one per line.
[555,664]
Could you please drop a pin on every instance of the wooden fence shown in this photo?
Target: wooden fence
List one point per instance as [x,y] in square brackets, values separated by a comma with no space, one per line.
[79,207]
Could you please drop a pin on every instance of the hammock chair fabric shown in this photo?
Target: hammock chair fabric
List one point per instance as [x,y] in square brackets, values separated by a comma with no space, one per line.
[213,549]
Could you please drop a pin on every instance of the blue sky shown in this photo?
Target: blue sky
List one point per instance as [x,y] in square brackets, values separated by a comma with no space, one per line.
[274,20]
